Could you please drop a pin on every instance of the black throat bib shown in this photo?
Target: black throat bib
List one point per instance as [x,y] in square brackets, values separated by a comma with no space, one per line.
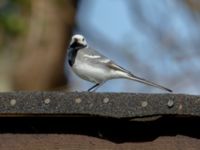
[72,52]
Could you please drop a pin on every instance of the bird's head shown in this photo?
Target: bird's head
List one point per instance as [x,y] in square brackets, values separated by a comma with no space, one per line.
[78,41]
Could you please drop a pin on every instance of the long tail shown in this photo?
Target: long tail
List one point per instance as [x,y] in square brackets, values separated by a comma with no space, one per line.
[138,79]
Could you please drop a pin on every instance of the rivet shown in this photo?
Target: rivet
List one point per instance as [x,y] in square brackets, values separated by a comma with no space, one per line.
[106,100]
[180,107]
[13,102]
[144,103]
[170,103]
[91,105]
[78,100]
[47,101]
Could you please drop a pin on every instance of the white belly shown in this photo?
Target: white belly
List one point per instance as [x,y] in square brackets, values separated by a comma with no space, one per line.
[90,73]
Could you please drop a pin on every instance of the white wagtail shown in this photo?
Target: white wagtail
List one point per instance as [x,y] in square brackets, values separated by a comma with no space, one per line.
[92,66]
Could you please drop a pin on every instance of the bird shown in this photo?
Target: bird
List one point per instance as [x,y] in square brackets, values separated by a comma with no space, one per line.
[94,67]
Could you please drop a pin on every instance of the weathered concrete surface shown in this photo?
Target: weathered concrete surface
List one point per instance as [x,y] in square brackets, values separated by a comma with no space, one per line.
[116,105]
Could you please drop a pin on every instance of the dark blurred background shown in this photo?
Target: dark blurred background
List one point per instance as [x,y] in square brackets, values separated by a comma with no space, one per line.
[157,40]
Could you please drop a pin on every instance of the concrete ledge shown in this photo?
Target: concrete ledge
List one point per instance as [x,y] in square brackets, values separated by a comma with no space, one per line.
[103,122]
[114,105]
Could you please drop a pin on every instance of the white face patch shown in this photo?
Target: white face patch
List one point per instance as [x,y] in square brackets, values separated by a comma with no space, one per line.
[79,38]
[92,56]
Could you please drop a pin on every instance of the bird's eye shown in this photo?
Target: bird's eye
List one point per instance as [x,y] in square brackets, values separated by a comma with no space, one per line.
[83,40]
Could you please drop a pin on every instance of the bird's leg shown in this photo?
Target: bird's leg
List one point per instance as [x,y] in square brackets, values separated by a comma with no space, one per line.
[95,87]
[90,89]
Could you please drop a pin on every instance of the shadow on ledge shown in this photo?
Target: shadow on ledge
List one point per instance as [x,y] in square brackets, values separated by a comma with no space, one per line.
[115,130]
